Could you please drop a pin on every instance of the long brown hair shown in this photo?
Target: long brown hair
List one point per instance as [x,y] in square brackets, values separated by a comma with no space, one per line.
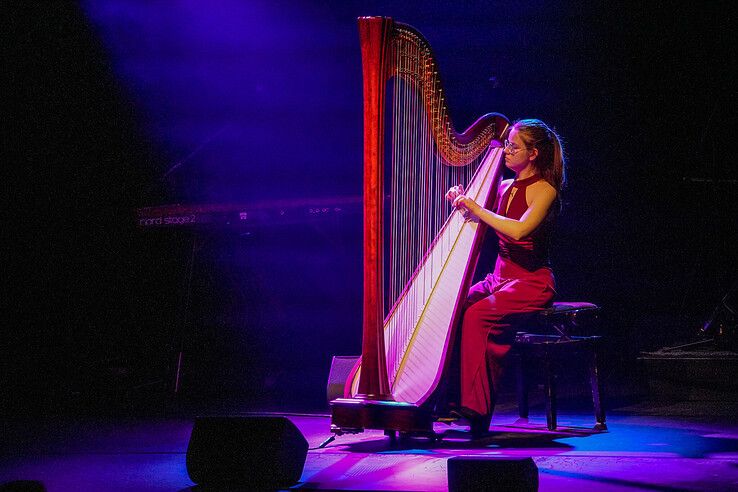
[550,162]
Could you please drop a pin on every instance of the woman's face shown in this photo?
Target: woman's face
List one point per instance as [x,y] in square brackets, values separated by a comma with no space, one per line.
[517,157]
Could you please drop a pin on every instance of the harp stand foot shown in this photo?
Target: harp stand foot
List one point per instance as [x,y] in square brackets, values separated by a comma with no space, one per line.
[339,431]
[407,437]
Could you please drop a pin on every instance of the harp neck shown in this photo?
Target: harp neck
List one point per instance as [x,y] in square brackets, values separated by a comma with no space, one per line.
[382,39]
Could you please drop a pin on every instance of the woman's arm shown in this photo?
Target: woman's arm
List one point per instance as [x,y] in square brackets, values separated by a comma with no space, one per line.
[541,197]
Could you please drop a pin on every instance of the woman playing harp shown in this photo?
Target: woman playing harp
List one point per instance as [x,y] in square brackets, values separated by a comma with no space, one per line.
[522,281]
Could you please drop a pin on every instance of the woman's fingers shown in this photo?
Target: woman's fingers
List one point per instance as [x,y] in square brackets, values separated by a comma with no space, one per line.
[454,192]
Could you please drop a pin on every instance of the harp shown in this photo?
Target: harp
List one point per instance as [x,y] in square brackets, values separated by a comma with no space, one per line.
[418,261]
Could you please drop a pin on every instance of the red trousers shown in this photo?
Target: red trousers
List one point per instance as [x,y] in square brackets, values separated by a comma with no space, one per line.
[495,307]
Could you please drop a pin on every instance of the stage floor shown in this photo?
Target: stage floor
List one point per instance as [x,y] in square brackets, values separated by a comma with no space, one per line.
[639,452]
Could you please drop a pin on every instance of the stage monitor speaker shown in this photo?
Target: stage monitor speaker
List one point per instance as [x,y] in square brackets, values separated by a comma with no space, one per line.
[486,473]
[260,452]
[341,366]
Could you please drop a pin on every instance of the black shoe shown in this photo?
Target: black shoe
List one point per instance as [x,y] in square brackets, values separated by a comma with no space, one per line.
[479,426]
[478,423]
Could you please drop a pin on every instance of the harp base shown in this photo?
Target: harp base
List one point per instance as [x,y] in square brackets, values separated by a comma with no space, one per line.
[352,415]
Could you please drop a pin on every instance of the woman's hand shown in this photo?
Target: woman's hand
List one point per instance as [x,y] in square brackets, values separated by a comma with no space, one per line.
[466,205]
[453,192]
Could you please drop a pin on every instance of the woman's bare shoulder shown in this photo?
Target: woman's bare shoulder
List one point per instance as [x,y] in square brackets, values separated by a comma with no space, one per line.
[542,187]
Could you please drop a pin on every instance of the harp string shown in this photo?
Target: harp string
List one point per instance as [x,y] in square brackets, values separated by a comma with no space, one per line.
[419,178]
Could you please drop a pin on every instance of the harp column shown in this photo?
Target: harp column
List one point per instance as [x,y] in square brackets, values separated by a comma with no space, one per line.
[375,33]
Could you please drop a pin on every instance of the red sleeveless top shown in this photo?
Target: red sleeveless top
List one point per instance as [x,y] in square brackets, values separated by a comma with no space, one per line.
[532,251]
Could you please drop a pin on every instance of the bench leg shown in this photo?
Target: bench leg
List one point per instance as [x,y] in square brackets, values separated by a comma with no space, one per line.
[550,389]
[594,380]
[523,386]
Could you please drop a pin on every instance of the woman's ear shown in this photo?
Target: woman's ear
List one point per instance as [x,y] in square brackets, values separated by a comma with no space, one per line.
[532,154]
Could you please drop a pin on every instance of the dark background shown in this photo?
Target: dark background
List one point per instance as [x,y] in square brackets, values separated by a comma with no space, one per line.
[111,106]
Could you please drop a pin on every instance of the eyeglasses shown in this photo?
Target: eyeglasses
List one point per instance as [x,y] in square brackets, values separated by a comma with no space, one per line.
[511,149]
